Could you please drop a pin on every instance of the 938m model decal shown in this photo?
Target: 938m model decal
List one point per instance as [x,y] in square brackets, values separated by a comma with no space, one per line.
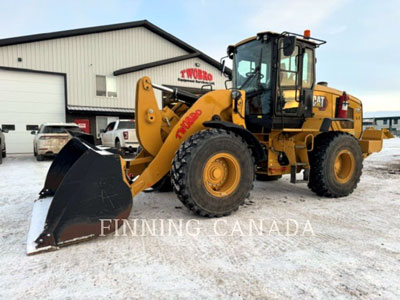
[187,123]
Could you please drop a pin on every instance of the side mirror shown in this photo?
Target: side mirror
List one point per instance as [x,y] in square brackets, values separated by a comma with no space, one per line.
[229,51]
[4,130]
[102,130]
[223,67]
[33,132]
[289,44]
[222,64]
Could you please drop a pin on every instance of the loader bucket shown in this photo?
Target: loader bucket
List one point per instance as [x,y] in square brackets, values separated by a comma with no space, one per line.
[83,186]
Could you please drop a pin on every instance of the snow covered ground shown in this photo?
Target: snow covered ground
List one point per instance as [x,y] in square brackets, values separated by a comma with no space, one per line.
[343,248]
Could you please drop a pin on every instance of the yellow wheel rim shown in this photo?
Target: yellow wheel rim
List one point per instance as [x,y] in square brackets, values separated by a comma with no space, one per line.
[344,166]
[221,174]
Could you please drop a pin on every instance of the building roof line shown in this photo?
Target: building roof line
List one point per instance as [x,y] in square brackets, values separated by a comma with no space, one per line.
[99,109]
[69,33]
[155,64]
[104,28]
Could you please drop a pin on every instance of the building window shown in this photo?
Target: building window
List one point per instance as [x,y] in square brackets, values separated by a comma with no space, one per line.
[384,122]
[106,86]
[396,121]
[8,127]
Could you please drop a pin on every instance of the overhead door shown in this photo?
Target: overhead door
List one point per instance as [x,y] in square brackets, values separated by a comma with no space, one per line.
[28,99]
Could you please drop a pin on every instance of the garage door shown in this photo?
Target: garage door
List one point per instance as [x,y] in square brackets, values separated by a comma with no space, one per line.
[27,100]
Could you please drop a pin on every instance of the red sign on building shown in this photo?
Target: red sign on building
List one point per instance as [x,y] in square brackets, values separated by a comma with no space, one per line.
[196,75]
[83,124]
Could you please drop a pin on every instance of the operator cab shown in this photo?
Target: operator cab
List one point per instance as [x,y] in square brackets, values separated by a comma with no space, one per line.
[277,71]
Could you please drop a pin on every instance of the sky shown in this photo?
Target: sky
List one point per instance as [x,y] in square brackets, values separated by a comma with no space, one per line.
[362,55]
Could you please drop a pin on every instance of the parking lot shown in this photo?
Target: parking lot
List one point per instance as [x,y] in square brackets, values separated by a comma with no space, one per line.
[342,248]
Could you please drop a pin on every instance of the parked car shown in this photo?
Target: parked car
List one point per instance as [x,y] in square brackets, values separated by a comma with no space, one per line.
[3,144]
[120,134]
[51,138]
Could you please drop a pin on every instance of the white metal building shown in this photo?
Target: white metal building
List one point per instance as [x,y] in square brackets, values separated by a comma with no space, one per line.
[388,122]
[89,76]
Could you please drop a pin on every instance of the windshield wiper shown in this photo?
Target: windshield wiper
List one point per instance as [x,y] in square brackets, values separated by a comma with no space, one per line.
[253,75]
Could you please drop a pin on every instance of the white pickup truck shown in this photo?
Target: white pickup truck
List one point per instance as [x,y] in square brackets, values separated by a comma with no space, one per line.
[120,134]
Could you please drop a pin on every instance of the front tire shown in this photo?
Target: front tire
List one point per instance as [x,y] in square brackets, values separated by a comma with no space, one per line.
[40,157]
[213,172]
[336,165]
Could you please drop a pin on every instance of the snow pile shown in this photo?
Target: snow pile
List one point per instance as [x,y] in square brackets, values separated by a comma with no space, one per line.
[353,252]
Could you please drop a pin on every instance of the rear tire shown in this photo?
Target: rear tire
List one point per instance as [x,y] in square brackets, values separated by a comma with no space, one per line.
[336,165]
[40,157]
[264,177]
[213,172]
[118,145]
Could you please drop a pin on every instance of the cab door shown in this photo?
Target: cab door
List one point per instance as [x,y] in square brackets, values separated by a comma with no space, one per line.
[288,90]
[295,83]
[307,81]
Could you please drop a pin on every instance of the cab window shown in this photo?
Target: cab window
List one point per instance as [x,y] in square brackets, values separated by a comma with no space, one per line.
[110,126]
[288,68]
[308,70]
[126,125]
[289,92]
[250,57]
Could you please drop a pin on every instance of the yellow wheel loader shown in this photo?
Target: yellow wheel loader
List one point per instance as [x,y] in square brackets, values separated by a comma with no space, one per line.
[275,120]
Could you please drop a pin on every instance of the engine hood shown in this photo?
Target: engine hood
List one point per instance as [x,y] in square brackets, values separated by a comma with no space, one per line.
[333,91]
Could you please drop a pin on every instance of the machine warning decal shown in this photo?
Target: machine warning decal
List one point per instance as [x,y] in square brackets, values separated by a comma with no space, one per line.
[320,102]
[187,123]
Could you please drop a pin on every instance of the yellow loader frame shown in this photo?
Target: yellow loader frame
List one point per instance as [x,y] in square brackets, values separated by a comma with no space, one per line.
[161,132]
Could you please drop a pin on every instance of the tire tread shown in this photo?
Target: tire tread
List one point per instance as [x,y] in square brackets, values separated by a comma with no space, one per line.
[180,163]
[318,182]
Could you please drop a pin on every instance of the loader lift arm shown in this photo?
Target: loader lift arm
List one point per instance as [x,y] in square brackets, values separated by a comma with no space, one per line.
[149,123]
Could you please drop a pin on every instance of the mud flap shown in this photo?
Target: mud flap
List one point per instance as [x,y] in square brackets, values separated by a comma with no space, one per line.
[83,186]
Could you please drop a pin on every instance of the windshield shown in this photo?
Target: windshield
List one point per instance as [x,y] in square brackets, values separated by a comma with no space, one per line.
[59,129]
[252,65]
[252,73]
[73,129]
[126,125]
